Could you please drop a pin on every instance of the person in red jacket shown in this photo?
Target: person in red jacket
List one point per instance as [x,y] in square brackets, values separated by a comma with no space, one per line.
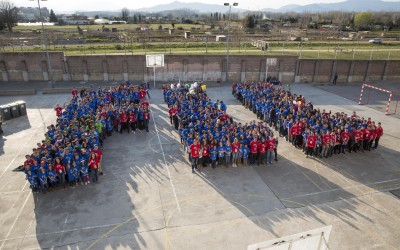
[99,158]
[132,121]
[262,151]
[60,171]
[195,153]
[205,154]
[359,137]
[94,165]
[74,92]
[270,149]
[338,142]
[142,93]
[299,137]
[311,142]
[345,140]
[253,151]
[326,140]
[235,152]
[58,110]
[367,133]
[123,119]
[371,136]
[174,116]
[378,135]
[170,112]
[146,118]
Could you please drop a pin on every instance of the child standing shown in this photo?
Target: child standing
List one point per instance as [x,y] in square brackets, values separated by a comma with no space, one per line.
[84,172]
[33,181]
[221,154]
[52,175]
[246,152]
[213,155]
[71,175]
[43,180]
[240,153]
[93,165]
[77,172]
[228,153]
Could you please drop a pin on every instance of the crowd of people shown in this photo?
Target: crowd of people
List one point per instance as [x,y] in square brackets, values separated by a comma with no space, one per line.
[211,137]
[70,152]
[316,132]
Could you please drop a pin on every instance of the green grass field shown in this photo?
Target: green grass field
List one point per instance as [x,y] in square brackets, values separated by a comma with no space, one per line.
[321,50]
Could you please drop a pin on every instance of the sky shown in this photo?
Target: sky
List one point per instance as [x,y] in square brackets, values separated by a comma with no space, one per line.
[60,6]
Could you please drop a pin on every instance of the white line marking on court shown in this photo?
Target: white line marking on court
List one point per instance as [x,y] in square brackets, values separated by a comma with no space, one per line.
[15,221]
[66,219]
[28,140]
[69,230]
[166,164]
[345,188]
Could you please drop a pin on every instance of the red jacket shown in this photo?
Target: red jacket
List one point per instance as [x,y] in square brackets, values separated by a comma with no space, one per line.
[270,145]
[311,141]
[253,147]
[194,150]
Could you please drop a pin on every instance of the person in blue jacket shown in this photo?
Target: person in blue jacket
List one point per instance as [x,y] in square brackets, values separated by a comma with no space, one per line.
[52,176]
[221,153]
[246,152]
[70,175]
[33,181]
[43,180]
[213,155]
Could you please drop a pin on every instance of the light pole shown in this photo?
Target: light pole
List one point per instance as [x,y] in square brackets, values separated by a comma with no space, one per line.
[50,76]
[228,38]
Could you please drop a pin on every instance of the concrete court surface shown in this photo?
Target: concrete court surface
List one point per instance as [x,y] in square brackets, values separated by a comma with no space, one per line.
[149,199]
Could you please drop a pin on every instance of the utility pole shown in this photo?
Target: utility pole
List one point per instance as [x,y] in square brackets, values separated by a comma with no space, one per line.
[46,45]
[228,38]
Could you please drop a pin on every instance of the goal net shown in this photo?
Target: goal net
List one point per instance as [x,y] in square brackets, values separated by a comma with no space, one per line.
[379,98]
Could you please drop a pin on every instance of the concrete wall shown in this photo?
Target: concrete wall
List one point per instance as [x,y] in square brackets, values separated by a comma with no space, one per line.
[33,67]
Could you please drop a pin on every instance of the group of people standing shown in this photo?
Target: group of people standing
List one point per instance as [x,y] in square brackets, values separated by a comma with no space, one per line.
[211,137]
[317,132]
[70,153]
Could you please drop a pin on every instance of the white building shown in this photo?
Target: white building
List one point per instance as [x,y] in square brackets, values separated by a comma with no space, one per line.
[75,19]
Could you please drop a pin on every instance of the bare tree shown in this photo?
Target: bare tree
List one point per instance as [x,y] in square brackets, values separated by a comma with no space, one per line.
[8,14]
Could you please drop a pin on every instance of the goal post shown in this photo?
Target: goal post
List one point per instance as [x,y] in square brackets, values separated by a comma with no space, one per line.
[315,239]
[369,88]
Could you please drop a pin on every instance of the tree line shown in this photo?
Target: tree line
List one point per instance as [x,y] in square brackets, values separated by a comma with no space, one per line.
[355,21]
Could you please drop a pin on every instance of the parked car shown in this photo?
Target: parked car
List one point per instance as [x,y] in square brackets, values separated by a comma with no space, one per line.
[376,41]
